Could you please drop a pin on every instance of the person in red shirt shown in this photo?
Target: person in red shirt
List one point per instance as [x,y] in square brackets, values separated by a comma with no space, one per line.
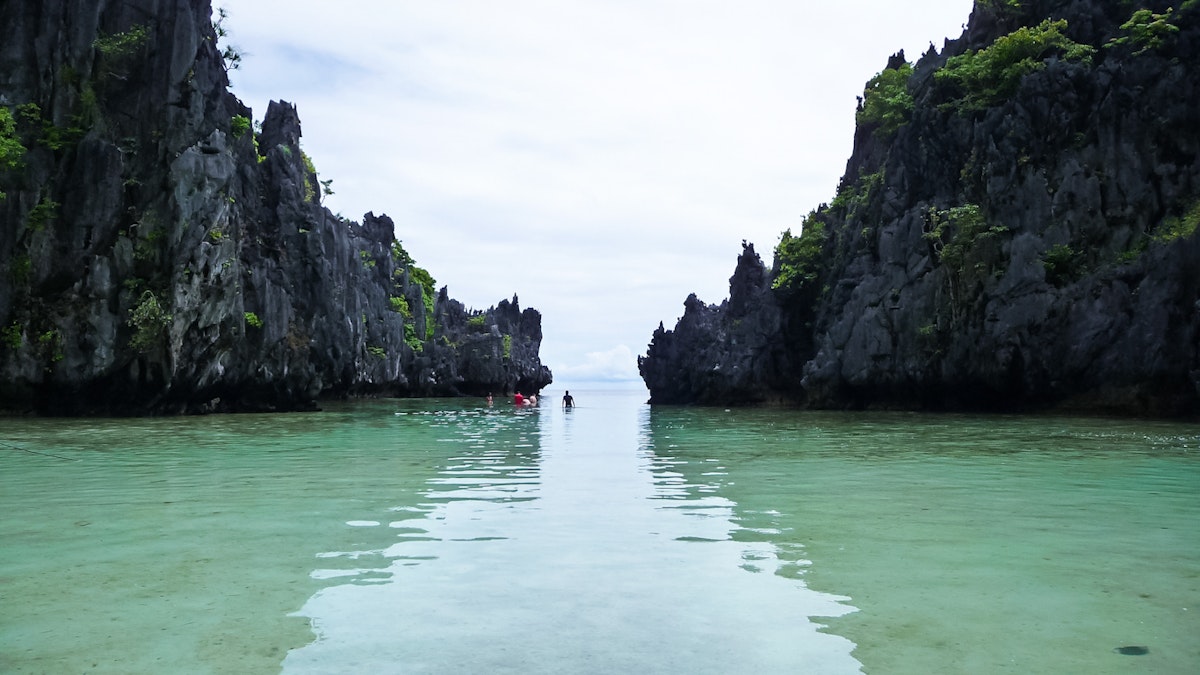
[519,399]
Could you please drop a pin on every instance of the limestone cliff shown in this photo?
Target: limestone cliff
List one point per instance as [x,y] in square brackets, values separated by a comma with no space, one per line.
[1016,230]
[159,254]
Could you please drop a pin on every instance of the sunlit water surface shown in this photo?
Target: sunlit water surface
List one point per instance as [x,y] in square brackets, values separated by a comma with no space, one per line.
[448,537]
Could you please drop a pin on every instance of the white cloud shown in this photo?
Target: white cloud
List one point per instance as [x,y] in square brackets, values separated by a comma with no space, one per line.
[599,158]
[618,364]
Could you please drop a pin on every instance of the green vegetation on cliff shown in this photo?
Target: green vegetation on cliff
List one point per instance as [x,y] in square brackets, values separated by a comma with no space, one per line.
[149,321]
[176,253]
[1016,229]
[1178,227]
[969,249]
[239,125]
[421,276]
[887,102]
[1146,30]
[798,259]
[980,79]
[122,45]
[11,149]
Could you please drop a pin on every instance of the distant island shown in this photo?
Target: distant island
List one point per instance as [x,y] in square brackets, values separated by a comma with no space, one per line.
[162,252]
[1016,230]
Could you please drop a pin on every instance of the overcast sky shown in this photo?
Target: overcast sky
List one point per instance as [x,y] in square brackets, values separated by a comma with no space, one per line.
[600,159]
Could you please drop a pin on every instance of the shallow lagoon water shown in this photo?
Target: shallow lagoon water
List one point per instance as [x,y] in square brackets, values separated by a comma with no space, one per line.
[444,536]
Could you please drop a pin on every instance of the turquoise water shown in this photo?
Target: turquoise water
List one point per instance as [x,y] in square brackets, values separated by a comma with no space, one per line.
[447,537]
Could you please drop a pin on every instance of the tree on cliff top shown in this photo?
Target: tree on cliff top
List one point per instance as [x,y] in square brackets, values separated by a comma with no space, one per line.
[887,101]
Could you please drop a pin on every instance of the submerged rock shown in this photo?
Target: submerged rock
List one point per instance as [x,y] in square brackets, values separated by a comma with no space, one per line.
[160,255]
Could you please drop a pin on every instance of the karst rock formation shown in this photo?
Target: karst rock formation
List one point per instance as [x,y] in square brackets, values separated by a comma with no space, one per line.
[1016,230]
[160,253]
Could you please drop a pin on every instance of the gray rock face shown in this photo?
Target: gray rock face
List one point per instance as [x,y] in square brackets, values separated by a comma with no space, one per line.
[1039,251]
[159,256]
[731,350]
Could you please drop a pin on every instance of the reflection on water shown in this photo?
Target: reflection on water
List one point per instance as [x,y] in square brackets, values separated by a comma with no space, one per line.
[492,462]
[970,544]
[446,536]
[145,544]
[560,541]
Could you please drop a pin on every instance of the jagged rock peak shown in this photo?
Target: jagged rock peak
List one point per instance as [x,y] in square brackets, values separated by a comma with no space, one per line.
[281,125]
[1022,241]
[163,256]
